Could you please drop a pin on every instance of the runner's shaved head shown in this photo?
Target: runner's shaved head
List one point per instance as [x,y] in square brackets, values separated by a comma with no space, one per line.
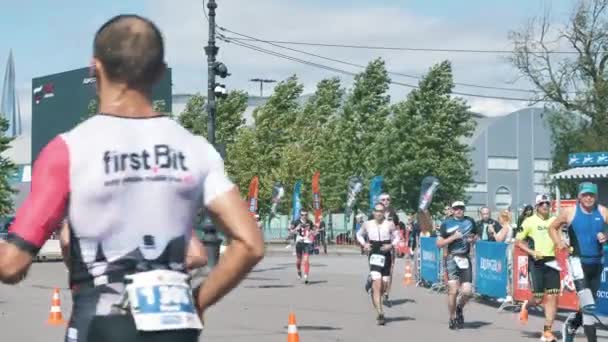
[131,50]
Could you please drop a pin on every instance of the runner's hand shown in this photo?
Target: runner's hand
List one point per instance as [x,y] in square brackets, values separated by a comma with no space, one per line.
[601,237]
[457,235]
[562,245]
[491,229]
[367,247]
[537,255]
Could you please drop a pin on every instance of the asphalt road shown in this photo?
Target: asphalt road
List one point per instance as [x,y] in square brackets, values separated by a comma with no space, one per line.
[333,307]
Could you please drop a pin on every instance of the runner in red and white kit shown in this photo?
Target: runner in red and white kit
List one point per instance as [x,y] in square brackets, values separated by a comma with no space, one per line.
[131,182]
[304,230]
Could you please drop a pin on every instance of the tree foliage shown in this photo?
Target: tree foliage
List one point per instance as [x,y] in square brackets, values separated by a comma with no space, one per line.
[342,133]
[8,170]
[575,85]
[426,138]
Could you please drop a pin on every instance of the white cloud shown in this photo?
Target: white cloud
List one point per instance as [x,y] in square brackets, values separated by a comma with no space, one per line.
[185,30]
[492,107]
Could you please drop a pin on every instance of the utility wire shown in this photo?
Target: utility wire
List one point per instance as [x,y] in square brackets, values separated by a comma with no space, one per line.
[249,38]
[349,73]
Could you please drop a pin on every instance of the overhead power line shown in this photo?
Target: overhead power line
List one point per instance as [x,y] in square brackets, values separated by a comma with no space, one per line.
[250,38]
[412,49]
[349,73]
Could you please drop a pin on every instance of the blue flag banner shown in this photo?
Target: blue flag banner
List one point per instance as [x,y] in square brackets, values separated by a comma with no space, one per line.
[491,269]
[375,189]
[295,200]
[588,159]
[601,300]
[429,260]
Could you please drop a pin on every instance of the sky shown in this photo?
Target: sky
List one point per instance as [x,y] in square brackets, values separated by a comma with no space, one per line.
[48,37]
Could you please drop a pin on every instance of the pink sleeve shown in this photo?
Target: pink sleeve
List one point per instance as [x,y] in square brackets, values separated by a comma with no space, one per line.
[45,205]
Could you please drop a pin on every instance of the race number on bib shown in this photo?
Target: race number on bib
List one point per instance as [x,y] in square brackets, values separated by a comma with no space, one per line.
[377,260]
[576,269]
[162,300]
[463,263]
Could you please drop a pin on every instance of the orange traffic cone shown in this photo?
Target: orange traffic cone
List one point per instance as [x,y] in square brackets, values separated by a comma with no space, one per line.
[292,329]
[55,316]
[523,314]
[408,278]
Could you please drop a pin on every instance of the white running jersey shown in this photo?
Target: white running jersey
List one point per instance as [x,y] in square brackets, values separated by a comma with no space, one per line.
[304,231]
[131,189]
[384,231]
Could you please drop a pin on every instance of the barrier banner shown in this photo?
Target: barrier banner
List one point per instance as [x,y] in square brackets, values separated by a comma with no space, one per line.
[521,290]
[429,260]
[521,281]
[568,299]
[601,300]
[491,266]
[252,199]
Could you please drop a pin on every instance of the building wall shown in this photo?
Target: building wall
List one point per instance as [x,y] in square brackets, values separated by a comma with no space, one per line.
[512,154]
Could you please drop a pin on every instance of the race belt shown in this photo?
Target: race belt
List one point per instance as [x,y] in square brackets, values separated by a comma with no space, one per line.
[161,300]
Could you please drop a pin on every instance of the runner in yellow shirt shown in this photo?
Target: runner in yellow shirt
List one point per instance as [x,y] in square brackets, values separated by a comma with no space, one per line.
[544,280]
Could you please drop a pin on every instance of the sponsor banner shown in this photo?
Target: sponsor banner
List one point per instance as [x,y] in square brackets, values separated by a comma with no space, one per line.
[375,190]
[568,300]
[253,195]
[429,260]
[295,201]
[316,198]
[491,269]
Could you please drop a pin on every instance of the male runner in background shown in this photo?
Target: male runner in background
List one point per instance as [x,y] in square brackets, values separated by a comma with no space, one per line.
[390,215]
[382,237]
[585,222]
[304,230]
[458,233]
[544,279]
[131,182]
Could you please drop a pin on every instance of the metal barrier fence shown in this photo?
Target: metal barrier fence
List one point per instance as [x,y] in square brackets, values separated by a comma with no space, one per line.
[500,272]
[337,229]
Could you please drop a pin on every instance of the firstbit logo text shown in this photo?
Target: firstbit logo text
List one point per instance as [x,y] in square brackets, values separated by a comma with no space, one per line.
[162,157]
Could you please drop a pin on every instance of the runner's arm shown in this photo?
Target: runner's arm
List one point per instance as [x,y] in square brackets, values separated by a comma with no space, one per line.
[443,239]
[521,236]
[361,233]
[64,242]
[246,249]
[196,253]
[604,212]
[40,214]
[396,236]
[556,226]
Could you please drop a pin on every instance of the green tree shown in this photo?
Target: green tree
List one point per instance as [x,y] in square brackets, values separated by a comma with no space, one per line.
[318,118]
[274,130]
[7,171]
[362,122]
[229,116]
[575,85]
[426,138]
[242,164]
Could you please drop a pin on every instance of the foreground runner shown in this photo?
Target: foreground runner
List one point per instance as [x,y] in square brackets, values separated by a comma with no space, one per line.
[544,279]
[131,182]
[382,238]
[458,233]
[390,215]
[303,229]
[586,233]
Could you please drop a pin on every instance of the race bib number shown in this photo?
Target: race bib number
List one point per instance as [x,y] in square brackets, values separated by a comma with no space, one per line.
[377,260]
[463,263]
[162,300]
[576,269]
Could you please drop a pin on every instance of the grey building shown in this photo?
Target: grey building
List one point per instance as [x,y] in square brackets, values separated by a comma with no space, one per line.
[512,158]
